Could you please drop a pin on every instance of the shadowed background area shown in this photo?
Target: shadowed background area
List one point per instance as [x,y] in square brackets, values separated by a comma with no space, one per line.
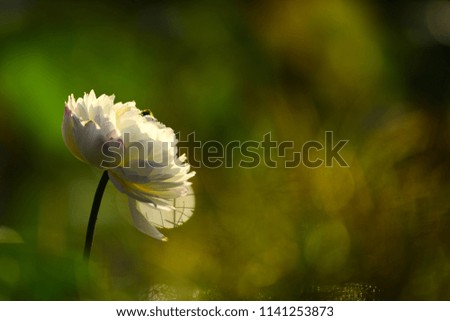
[374,73]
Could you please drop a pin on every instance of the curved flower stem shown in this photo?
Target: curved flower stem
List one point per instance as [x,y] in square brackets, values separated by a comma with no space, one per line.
[94,212]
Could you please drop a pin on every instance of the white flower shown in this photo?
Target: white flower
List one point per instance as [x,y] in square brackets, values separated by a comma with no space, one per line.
[140,155]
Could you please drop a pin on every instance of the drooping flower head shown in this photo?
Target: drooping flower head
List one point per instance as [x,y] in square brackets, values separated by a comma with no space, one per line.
[140,155]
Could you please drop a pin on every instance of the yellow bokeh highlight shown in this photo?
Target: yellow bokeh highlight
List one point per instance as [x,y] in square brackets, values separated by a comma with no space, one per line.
[327,247]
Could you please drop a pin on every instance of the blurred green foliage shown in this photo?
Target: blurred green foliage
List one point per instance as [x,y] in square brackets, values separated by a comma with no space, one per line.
[375,73]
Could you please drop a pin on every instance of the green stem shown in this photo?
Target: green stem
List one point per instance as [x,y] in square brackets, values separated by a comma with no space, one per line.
[94,213]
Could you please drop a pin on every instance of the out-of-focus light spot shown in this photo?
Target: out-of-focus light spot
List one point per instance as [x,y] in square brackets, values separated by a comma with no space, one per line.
[438,21]
[283,254]
[259,275]
[8,235]
[332,188]
[327,247]
[428,23]
[273,262]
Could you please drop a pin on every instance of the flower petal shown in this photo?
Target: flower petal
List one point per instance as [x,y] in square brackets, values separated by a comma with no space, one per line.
[90,138]
[145,165]
[142,223]
[88,123]
[68,134]
[174,213]
[151,189]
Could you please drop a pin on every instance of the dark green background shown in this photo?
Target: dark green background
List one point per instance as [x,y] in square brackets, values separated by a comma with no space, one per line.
[373,72]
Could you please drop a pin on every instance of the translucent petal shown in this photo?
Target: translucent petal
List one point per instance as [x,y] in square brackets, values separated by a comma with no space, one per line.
[68,135]
[142,223]
[175,213]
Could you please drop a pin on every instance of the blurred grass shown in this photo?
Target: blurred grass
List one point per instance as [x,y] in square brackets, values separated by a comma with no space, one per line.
[232,70]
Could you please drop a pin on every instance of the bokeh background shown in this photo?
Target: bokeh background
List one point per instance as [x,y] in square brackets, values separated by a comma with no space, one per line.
[373,72]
